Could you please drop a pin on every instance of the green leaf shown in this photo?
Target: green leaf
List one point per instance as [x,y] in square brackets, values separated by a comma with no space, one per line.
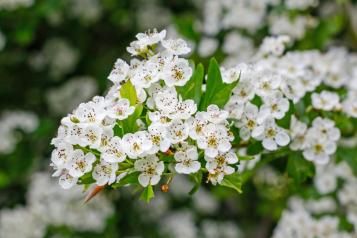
[233,181]
[147,194]
[193,88]
[255,148]
[197,179]
[128,179]
[128,91]
[129,125]
[349,155]
[217,92]
[245,157]
[299,168]
[86,179]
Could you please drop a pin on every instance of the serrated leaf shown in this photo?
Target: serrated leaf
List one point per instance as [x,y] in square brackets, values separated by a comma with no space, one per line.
[128,91]
[233,181]
[193,88]
[147,194]
[299,168]
[197,179]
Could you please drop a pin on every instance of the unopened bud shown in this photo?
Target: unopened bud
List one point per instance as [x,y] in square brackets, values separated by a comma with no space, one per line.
[165,188]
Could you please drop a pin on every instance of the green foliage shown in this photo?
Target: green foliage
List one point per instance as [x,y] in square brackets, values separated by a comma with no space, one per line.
[299,168]
[128,91]
[349,155]
[193,88]
[128,179]
[217,92]
[129,125]
[197,179]
[233,181]
[147,194]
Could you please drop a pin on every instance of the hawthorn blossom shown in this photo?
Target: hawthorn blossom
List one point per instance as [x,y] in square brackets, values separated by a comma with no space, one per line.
[215,139]
[275,105]
[135,145]
[92,136]
[176,47]
[178,131]
[151,169]
[113,151]
[120,110]
[248,122]
[271,135]
[66,181]
[186,161]
[177,72]
[119,72]
[326,101]
[81,163]
[215,115]
[159,137]
[221,163]
[105,173]
[62,154]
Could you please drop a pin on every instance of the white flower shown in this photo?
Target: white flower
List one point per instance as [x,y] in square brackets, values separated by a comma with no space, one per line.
[176,47]
[271,135]
[151,37]
[105,173]
[136,144]
[325,129]
[92,135]
[298,133]
[66,181]
[141,46]
[146,75]
[62,154]
[90,112]
[187,161]
[275,105]
[151,169]
[178,131]
[121,109]
[113,151]
[214,139]
[326,100]
[80,163]
[221,162]
[119,72]
[177,72]
[215,115]
[196,125]
[158,136]
[183,110]
[244,91]
[248,122]
[267,83]
[166,100]
[230,75]
[319,150]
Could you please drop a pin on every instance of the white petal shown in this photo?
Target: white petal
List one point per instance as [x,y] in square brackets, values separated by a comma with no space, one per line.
[269,144]
[282,138]
[144,180]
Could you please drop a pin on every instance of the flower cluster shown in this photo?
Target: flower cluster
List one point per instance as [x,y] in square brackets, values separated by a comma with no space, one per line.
[143,120]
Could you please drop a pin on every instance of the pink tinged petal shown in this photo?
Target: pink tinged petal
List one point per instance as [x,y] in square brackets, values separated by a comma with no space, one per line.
[270,144]
[282,139]
[144,180]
